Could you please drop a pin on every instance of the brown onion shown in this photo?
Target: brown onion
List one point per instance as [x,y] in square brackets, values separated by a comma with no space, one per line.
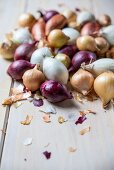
[26,20]
[110,53]
[86,42]
[104,20]
[90,28]
[102,45]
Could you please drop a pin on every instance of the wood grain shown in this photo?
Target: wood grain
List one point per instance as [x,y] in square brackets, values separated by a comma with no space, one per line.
[95,150]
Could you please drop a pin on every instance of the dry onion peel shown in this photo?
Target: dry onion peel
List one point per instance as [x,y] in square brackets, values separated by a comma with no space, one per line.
[27,121]
[83,131]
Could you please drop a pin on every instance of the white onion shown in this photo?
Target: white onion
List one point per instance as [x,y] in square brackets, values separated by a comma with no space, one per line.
[22,35]
[72,33]
[55,70]
[85,16]
[39,54]
[108,33]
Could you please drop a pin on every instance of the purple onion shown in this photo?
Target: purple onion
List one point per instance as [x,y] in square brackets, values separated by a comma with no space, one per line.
[17,68]
[69,50]
[54,92]
[49,14]
[24,51]
[82,57]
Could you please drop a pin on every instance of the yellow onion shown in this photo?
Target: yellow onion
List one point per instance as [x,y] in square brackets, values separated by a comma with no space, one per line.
[7,49]
[86,43]
[26,20]
[102,45]
[82,81]
[33,78]
[65,59]
[104,87]
[57,38]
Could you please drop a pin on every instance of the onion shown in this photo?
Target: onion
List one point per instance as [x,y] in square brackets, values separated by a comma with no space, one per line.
[100,66]
[22,35]
[55,70]
[104,87]
[39,54]
[85,16]
[110,53]
[72,33]
[69,50]
[64,59]
[82,57]
[102,45]
[24,51]
[49,14]
[54,92]
[86,43]
[26,20]
[70,15]
[108,34]
[90,28]
[82,81]
[57,38]
[104,20]
[38,30]
[7,49]
[17,68]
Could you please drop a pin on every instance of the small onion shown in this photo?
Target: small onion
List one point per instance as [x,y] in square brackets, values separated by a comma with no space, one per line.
[82,81]
[89,28]
[26,20]
[69,50]
[24,51]
[64,59]
[82,57]
[33,78]
[54,92]
[102,45]
[39,54]
[72,33]
[55,70]
[70,15]
[108,34]
[49,14]
[57,38]
[17,68]
[86,42]
[22,35]
[104,20]
[7,49]
[85,16]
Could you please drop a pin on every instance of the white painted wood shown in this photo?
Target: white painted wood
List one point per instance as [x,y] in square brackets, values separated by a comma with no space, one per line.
[95,150]
[8,19]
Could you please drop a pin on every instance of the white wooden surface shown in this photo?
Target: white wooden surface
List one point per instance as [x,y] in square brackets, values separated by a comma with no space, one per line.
[95,150]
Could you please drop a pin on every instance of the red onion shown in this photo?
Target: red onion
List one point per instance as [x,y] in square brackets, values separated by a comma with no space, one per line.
[69,50]
[82,57]
[90,28]
[54,92]
[24,51]
[17,68]
[49,14]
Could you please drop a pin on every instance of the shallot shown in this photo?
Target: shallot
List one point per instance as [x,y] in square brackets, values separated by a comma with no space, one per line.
[17,68]
[54,92]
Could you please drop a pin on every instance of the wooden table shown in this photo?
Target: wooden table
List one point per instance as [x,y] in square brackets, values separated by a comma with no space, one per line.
[95,150]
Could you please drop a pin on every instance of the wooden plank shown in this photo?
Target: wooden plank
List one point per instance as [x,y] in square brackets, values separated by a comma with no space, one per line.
[9,15]
[94,150]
